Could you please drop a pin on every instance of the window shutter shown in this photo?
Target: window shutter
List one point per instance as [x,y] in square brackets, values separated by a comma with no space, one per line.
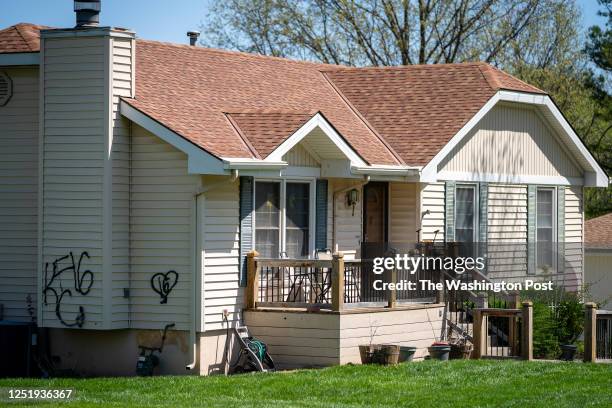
[483,211]
[483,220]
[561,229]
[531,229]
[449,206]
[321,215]
[246,223]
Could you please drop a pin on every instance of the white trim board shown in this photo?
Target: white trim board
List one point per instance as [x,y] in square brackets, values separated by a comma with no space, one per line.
[509,178]
[594,174]
[316,121]
[199,160]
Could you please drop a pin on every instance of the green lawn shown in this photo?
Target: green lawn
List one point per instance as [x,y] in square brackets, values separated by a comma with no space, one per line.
[431,383]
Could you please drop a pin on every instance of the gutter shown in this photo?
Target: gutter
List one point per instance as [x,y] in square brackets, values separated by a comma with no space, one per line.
[230,163]
[382,170]
[193,341]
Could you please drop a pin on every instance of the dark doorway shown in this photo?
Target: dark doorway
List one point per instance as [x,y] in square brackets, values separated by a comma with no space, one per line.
[375,212]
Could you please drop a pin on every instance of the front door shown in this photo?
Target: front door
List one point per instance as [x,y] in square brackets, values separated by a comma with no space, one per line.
[375,212]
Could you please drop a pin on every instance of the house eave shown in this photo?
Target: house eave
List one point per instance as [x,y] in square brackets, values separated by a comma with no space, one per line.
[19,59]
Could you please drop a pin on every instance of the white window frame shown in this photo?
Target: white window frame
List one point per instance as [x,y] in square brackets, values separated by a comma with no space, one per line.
[554,225]
[282,240]
[476,225]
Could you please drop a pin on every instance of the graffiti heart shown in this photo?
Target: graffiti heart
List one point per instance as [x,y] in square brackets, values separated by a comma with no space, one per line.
[82,281]
[163,283]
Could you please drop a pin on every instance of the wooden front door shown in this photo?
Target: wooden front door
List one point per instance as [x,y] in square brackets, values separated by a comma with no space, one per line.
[375,212]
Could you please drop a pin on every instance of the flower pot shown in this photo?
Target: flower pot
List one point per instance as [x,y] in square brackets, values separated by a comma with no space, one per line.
[385,354]
[406,353]
[568,352]
[369,353]
[389,354]
[439,352]
[460,351]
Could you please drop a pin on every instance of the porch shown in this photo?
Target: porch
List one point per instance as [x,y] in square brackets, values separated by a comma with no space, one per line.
[317,312]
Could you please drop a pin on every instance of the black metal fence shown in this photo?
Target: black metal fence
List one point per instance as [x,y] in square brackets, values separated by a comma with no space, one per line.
[295,282]
[603,335]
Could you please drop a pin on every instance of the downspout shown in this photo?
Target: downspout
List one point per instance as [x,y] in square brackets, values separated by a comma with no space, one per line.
[366,180]
[193,341]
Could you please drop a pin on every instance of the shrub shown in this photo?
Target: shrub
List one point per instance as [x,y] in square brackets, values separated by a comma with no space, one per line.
[558,318]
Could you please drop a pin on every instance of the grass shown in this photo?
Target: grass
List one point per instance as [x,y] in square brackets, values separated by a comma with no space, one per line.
[459,383]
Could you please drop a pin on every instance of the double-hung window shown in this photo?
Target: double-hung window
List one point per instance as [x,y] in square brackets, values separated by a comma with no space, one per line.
[283,218]
[545,222]
[465,213]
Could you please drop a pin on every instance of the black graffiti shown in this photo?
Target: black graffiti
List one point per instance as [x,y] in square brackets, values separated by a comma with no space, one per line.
[83,281]
[162,284]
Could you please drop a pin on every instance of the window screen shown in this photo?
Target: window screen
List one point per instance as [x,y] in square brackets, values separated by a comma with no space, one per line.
[544,223]
[267,219]
[298,217]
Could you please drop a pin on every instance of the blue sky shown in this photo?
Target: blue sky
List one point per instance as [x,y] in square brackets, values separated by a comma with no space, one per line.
[163,20]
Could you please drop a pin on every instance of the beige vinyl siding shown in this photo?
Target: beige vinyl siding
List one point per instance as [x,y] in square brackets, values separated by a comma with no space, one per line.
[221,278]
[418,328]
[348,224]
[120,156]
[19,194]
[74,160]
[507,231]
[432,199]
[161,228]
[598,276]
[403,213]
[300,157]
[511,140]
[299,339]
[574,237]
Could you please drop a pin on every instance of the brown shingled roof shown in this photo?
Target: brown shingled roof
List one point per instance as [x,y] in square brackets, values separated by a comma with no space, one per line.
[188,89]
[598,232]
[267,130]
[22,37]
[419,108]
[390,115]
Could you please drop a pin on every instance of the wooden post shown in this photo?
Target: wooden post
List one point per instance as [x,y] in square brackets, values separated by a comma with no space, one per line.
[590,325]
[338,281]
[515,303]
[480,331]
[252,280]
[527,346]
[392,294]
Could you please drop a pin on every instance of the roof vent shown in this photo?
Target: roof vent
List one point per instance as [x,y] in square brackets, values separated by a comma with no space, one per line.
[87,13]
[193,37]
[6,88]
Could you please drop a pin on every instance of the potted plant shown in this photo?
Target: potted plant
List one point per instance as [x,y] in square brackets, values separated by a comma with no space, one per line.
[406,353]
[461,349]
[370,353]
[439,350]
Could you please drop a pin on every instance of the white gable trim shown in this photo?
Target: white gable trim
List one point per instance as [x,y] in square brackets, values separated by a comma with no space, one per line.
[594,174]
[199,160]
[316,121]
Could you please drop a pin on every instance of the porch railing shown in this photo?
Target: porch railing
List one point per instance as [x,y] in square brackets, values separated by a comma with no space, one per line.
[323,283]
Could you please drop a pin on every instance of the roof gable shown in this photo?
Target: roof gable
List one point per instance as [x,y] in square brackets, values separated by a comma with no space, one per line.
[22,37]
[419,108]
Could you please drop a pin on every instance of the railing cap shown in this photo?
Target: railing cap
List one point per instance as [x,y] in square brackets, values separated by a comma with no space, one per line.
[527,303]
[590,305]
[338,254]
[253,254]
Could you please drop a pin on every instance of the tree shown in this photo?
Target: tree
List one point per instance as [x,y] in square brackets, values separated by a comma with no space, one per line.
[379,32]
[538,41]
